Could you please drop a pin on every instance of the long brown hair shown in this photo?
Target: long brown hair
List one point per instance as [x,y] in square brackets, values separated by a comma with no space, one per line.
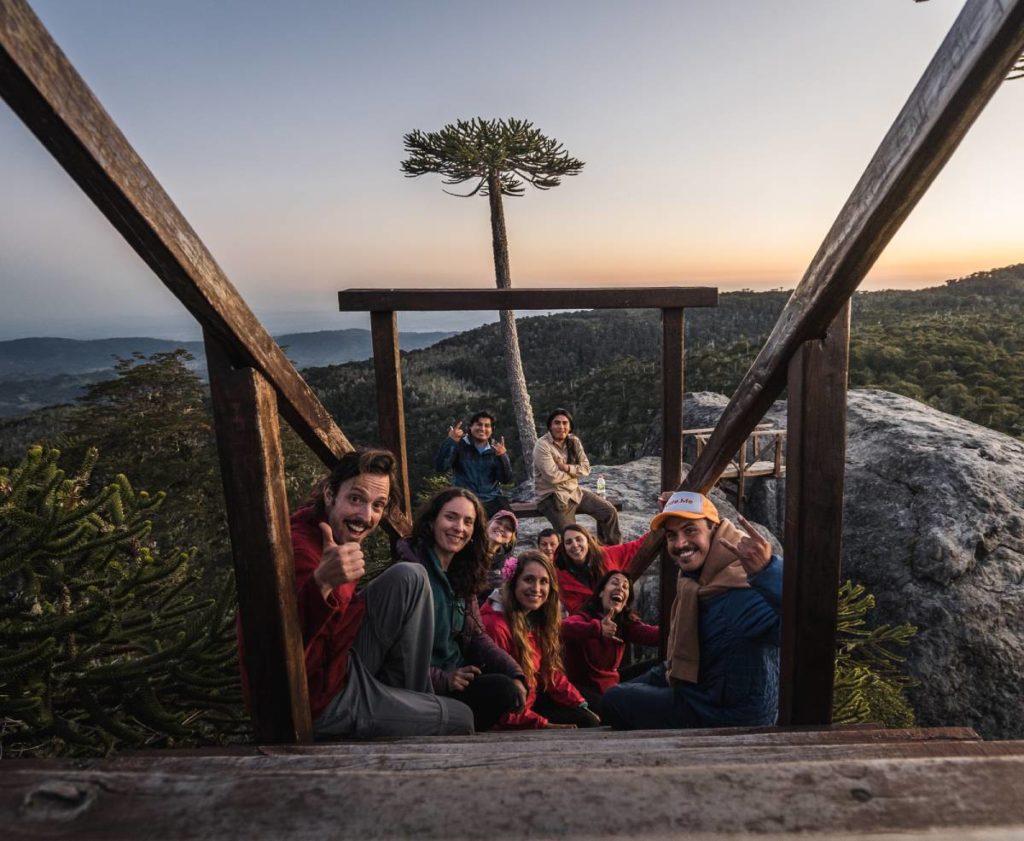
[595,553]
[545,622]
[593,606]
[467,573]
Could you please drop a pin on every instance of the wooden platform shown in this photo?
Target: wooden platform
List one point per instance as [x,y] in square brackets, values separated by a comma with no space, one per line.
[835,782]
[529,509]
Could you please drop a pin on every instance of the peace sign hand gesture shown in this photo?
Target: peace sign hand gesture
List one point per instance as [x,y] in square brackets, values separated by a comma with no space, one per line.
[753,550]
[456,432]
[499,447]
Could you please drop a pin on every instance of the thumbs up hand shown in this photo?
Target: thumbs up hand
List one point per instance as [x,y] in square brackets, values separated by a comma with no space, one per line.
[340,563]
[609,630]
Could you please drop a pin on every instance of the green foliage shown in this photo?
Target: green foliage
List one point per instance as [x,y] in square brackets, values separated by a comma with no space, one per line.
[959,348]
[869,684]
[511,150]
[104,643]
[151,422]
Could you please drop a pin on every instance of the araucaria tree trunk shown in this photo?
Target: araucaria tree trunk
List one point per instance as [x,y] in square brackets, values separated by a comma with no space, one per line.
[509,335]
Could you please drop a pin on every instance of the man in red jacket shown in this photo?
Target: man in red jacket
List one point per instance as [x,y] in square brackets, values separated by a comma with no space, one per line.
[368,653]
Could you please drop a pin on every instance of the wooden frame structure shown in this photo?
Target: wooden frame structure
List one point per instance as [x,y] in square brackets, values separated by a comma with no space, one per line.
[384,304]
[672,301]
[251,379]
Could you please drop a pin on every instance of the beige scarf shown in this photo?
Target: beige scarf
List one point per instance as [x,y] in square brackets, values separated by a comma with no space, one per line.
[721,571]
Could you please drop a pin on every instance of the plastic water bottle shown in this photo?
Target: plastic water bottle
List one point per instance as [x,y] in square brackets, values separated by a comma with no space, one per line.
[601,484]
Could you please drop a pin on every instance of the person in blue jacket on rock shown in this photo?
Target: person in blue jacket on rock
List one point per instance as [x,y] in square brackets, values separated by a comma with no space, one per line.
[723,646]
[478,464]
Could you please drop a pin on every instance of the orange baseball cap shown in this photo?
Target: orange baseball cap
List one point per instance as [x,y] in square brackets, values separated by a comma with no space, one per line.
[686,505]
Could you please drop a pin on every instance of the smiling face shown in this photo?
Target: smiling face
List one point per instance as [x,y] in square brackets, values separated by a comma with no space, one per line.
[559,428]
[453,528]
[533,586]
[548,545]
[501,531]
[356,508]
[615,594]
[480,430]
[575,546]
[688,542]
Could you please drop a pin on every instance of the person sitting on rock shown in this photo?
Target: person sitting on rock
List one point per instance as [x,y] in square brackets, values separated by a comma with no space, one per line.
[448,539]
[477,463]
[547,542]
[582,560]
[558,462]
[367,654]
[594,639]
[524,618]
[723,645]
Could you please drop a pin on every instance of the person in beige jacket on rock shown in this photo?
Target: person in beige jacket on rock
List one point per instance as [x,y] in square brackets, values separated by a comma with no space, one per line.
[558,462]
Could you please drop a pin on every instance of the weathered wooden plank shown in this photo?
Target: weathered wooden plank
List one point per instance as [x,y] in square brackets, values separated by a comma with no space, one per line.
[873,795]
[445,300]
[816,442]
[251,466]
[969,66]
[639,741]
[573,756]
[387,366]
[46,92]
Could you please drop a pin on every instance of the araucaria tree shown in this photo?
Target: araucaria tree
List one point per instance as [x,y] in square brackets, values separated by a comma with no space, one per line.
[499,156]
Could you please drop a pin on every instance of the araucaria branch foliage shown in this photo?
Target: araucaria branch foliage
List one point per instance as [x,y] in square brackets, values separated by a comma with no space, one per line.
[103,643]
[869,682]
[474,150]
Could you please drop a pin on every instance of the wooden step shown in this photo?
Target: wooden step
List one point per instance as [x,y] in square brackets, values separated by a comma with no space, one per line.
[274,761]
[839,795]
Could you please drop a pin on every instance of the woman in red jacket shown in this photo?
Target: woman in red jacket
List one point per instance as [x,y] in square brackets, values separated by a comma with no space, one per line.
[582,560]
[595,638]
[524,619]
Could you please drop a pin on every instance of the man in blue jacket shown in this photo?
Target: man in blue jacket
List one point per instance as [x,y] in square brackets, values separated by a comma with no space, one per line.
[478,464]
[723,647]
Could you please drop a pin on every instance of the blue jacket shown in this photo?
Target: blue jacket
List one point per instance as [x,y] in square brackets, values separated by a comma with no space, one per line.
[740,632]
[478,472]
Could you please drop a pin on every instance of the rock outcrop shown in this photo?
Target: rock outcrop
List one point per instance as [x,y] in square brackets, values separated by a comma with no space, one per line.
[933,527]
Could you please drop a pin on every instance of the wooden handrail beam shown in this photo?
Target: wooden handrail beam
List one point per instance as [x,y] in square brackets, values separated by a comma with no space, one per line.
[971,63]
[46,92]
[451,300]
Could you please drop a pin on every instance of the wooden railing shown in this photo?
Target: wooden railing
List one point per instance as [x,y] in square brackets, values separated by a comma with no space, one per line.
[808,350]
[761,454]
[251,379]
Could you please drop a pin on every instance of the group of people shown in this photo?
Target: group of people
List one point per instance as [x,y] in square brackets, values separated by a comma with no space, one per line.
[462,633]
[482,465]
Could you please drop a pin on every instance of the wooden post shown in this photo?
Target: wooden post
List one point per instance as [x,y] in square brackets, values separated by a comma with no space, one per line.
[387,366]
[251,466]
[814,523]
[672,350]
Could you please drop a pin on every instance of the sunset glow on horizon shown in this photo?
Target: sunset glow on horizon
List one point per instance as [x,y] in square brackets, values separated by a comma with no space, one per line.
[720,144]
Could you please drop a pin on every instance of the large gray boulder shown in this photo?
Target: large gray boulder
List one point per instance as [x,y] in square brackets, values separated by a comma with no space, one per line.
[934,527]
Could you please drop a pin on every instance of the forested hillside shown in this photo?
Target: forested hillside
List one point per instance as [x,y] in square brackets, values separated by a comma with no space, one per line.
[959,348]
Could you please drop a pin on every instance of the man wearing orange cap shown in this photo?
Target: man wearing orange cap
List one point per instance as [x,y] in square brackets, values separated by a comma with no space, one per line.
[723,646]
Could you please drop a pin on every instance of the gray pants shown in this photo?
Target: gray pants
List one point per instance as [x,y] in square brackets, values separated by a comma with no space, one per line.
[388,690]
[598,507]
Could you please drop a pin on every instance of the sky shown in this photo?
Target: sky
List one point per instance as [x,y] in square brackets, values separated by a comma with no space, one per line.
[720,140]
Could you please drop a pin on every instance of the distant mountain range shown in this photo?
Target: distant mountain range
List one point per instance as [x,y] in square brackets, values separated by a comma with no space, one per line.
[46,371]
